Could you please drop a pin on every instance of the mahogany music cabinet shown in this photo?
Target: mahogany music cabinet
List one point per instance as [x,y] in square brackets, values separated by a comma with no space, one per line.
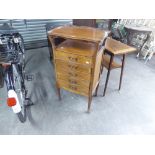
[77,54]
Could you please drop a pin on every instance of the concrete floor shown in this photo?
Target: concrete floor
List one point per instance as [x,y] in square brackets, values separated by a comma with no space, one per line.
[130,111]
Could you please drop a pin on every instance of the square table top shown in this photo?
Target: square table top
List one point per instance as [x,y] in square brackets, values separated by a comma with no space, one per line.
[80,33]
[117,47]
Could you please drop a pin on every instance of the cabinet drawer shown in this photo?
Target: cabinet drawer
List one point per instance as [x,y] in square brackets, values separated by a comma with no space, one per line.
[82,90]
[74,75]
[71,67]
[73,58]
[72,80]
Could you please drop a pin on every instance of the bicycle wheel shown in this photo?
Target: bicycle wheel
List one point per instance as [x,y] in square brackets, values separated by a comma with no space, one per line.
[1,77]
[20,91]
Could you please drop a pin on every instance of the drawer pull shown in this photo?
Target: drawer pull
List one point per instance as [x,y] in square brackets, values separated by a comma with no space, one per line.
[72,87]
[73,67]
[72,59]
[72,81]
[87,62]
[72,74]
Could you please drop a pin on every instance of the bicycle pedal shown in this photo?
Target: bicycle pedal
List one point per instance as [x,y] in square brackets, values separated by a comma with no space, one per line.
[28,102]
[29,77]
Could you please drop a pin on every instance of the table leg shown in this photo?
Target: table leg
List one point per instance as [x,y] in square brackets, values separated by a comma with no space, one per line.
[108,74]
[102,66]
[122,69]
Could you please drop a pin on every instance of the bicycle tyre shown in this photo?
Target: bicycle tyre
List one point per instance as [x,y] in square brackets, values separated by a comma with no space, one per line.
[20,93]
[21,117]
[1,77]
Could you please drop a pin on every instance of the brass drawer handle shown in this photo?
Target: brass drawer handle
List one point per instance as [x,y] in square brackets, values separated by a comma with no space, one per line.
[72,87]
[72,59]
[87,62]
[72,74]
[73,67]
[72,81]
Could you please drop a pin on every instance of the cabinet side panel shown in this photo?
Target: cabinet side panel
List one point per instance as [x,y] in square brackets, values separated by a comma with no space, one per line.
[97,68]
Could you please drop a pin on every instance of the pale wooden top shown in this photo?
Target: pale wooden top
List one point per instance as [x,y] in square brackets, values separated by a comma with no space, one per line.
[116,47]
[79,32]
[78,47]
[139,28]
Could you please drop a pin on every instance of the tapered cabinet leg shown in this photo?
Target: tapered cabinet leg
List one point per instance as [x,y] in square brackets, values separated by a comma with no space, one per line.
[89,103]
[96,90]
[108,74]
[58,91]
[101,69]
[122,69]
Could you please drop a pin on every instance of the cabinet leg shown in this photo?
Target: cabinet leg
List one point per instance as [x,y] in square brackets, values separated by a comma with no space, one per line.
[101,69]
[58,91]
[96,90]
[89,103]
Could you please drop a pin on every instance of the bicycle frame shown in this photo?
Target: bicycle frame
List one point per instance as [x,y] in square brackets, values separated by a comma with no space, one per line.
[12,62]
[8,72]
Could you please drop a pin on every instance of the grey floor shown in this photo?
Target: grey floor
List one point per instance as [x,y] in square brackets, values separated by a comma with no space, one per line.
[130,111]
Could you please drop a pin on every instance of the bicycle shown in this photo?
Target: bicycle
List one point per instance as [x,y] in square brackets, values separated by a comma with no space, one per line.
[12,63]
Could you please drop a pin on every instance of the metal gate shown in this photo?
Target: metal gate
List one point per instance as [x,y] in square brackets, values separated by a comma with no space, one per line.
[34,30]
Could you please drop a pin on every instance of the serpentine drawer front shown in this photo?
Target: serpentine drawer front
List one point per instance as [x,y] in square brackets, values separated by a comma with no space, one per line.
[71,67]
[73,58]
[74,75]
[77,59]
[73,80]
[79,89]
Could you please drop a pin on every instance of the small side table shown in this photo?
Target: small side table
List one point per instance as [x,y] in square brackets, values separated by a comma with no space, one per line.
[112,48]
